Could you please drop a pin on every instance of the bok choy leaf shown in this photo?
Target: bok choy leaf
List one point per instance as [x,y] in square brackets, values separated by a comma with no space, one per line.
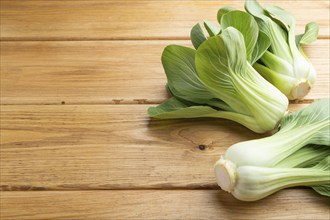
[256,41]
[197,35]
[222,65]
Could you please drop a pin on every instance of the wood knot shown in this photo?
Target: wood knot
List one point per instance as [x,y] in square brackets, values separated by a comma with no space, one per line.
[117,101]
[202,146]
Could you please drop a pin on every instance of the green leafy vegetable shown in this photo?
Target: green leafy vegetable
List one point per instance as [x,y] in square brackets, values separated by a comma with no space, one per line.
[211,28]
[297,155]
[284,64]
[223,11]
[256,42]
[218,81]
[179,66]
[249,28]
[222,65]
[182,78]
[197,35]
[309,36]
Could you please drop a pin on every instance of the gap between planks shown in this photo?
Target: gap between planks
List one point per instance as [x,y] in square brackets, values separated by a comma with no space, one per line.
[199,188]
[127,19]
[5,39]
[129,102]
[154,204]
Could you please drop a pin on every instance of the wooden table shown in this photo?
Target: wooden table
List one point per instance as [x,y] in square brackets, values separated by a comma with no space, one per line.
[76,143]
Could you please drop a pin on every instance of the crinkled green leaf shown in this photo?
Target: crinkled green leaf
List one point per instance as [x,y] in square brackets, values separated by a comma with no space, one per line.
[183,81]
[265,22]
[217,60]
[222,65]
[256,42]
[323,190]
[220,57]
[325,166]
[308,156]
[260,48]
[279,25]
[310,35]
[223,11]
[255,9]
[246,24]
[315,115]
[197,35]
[211,28]
[277,35]
[279,15]
[284,18]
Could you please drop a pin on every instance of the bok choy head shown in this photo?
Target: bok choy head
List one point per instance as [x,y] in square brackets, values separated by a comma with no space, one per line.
[297,155]
[284,64]
[218,80]
[222,65]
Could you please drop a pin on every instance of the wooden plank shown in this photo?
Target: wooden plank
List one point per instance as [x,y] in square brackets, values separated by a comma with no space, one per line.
[82,72]
[106,147]
[109,147]
[81,20]
[101,72]
[161,204]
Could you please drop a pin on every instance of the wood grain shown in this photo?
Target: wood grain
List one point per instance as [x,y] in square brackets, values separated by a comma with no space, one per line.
[88,160]
[92,20]
[109,147]
[104,72]
[161,204]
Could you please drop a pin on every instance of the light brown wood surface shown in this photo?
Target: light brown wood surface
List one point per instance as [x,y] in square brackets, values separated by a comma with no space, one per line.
[76,143]
[161,204]
[110,147]
[104,72]
[81,20]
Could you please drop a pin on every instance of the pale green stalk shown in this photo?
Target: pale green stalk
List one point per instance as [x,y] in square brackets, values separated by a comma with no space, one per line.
[254,169]
[250,183]
[284,64]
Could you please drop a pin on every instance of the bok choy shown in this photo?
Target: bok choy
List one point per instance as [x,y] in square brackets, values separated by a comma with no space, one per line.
[284,64]
[297,155]
[218,80]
